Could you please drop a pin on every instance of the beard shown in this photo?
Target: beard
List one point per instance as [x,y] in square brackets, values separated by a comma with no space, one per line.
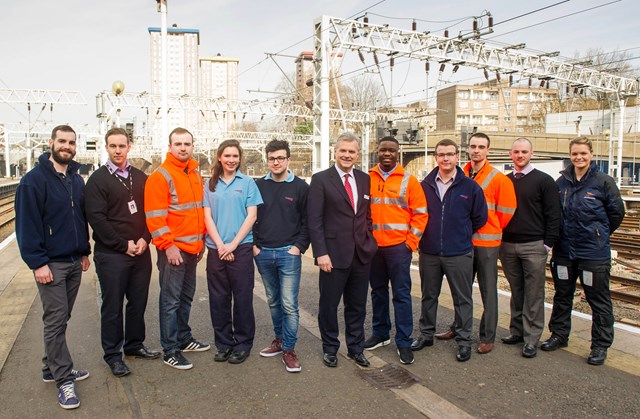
[57,157]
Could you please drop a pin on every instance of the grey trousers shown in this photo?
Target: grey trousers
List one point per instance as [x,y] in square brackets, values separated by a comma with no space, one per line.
[57,299]
[524,266]
[485,269]
[458,270]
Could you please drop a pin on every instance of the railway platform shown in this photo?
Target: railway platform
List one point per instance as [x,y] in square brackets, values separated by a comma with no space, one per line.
[500,384]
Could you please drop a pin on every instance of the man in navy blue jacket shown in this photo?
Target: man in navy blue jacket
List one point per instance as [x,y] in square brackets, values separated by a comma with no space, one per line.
[457,208]
[54,242]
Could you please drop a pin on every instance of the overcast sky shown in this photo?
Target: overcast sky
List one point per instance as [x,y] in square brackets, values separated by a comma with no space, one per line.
[84,45]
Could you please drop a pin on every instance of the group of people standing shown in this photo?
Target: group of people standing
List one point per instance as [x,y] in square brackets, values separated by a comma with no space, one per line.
[363,230]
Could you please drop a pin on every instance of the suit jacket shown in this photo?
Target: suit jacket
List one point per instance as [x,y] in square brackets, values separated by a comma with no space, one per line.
[334,228]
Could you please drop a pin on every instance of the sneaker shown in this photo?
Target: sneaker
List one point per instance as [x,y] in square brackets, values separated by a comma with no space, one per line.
[375,342]
[406,355]
[274,349]
[178,361]
[67,398]
[290,361]
[195,346]
[80,375]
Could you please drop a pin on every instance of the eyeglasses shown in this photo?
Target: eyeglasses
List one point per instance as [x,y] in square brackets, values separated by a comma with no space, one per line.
[443,155]
[279,159]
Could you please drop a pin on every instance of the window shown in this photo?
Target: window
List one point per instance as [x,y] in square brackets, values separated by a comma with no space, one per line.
[464,105]
[520,106]
[476,119]
[507,93]
[477,105]
[494,105]
[463,94]
[462,119]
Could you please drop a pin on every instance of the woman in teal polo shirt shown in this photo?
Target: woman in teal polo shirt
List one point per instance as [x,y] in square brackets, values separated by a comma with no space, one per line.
[230,205]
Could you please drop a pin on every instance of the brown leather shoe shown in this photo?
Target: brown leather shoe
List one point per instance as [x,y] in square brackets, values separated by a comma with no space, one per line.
[485,348]
[448,335]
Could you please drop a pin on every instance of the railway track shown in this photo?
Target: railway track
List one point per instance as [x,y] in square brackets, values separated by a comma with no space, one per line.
[7,195]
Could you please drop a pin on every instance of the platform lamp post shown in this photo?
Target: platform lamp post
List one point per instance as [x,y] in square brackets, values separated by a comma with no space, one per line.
[164,107]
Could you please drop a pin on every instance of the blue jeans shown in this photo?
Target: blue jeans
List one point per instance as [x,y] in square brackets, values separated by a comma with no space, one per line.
[280,273]
[177,287]
[392,264]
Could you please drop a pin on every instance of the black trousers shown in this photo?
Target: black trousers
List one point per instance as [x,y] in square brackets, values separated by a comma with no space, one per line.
[594,277]
[121,276]
[352,285]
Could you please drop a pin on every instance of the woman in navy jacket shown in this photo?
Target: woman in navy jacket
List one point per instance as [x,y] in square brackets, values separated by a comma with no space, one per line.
[592,209]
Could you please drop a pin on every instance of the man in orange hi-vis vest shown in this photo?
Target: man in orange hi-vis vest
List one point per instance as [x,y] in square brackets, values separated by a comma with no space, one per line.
[501,203]
[175,218]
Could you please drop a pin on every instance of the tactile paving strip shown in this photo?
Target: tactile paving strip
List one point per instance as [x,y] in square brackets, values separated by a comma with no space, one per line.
[389,376]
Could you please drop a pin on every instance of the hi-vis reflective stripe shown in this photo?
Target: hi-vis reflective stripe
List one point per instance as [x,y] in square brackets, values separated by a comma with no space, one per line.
[505,210]
[401,200]
[477,236]
[156,213]
[159,232]
[187,206]
[189,239]
[402,227]
[172,186]
[416,232]
[421,210]
[488,179]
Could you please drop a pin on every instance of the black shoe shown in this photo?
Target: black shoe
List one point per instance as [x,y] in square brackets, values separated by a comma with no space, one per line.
[222,355]
[512,340]
[330,360]
[359,358]
[143,353]
[119,369]
[238,357]
[464,353]
[597,356]
[375,342]
[421,342]
[553,343]
[406,355]
[529,350]
[177,360]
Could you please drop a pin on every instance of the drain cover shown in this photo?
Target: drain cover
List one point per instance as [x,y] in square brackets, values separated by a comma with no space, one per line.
[390,376]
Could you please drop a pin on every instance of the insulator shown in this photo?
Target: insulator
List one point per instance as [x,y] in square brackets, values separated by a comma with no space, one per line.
[353,30]
[414,26]
[361,55]
[490,22]
[366,20]
[455,68]
[309,83]
[510,79]
[446,33]
[426,66]
[542,83]
[498,76]
[475,25]
[530,81]
[567,89]
[442,66]
[391,62]
[375,58]
[486,74]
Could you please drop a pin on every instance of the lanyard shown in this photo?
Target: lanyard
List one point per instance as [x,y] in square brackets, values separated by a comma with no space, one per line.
[128,188]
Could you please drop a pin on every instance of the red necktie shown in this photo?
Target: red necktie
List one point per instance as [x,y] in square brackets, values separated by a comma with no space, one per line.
[518,175]
[347,186]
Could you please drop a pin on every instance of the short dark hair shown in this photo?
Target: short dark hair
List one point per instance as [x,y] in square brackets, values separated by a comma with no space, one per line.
[275,145]
[481,135]
[581,141]
[389,138]
[446,142]
[63,128]
[180,130]
[116,131]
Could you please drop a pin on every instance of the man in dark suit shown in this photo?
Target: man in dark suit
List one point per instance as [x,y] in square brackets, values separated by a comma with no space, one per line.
[340,228]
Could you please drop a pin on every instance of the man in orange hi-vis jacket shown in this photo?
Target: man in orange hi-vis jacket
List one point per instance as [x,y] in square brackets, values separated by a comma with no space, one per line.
[175,218]
[501,203]
[399,215]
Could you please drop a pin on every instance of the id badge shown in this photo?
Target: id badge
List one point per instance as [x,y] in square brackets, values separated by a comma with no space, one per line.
[132,207]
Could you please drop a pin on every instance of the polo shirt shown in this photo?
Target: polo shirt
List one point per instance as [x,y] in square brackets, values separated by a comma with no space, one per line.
[229,205]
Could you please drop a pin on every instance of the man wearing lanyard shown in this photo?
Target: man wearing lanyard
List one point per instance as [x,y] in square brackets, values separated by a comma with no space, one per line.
[114,206]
